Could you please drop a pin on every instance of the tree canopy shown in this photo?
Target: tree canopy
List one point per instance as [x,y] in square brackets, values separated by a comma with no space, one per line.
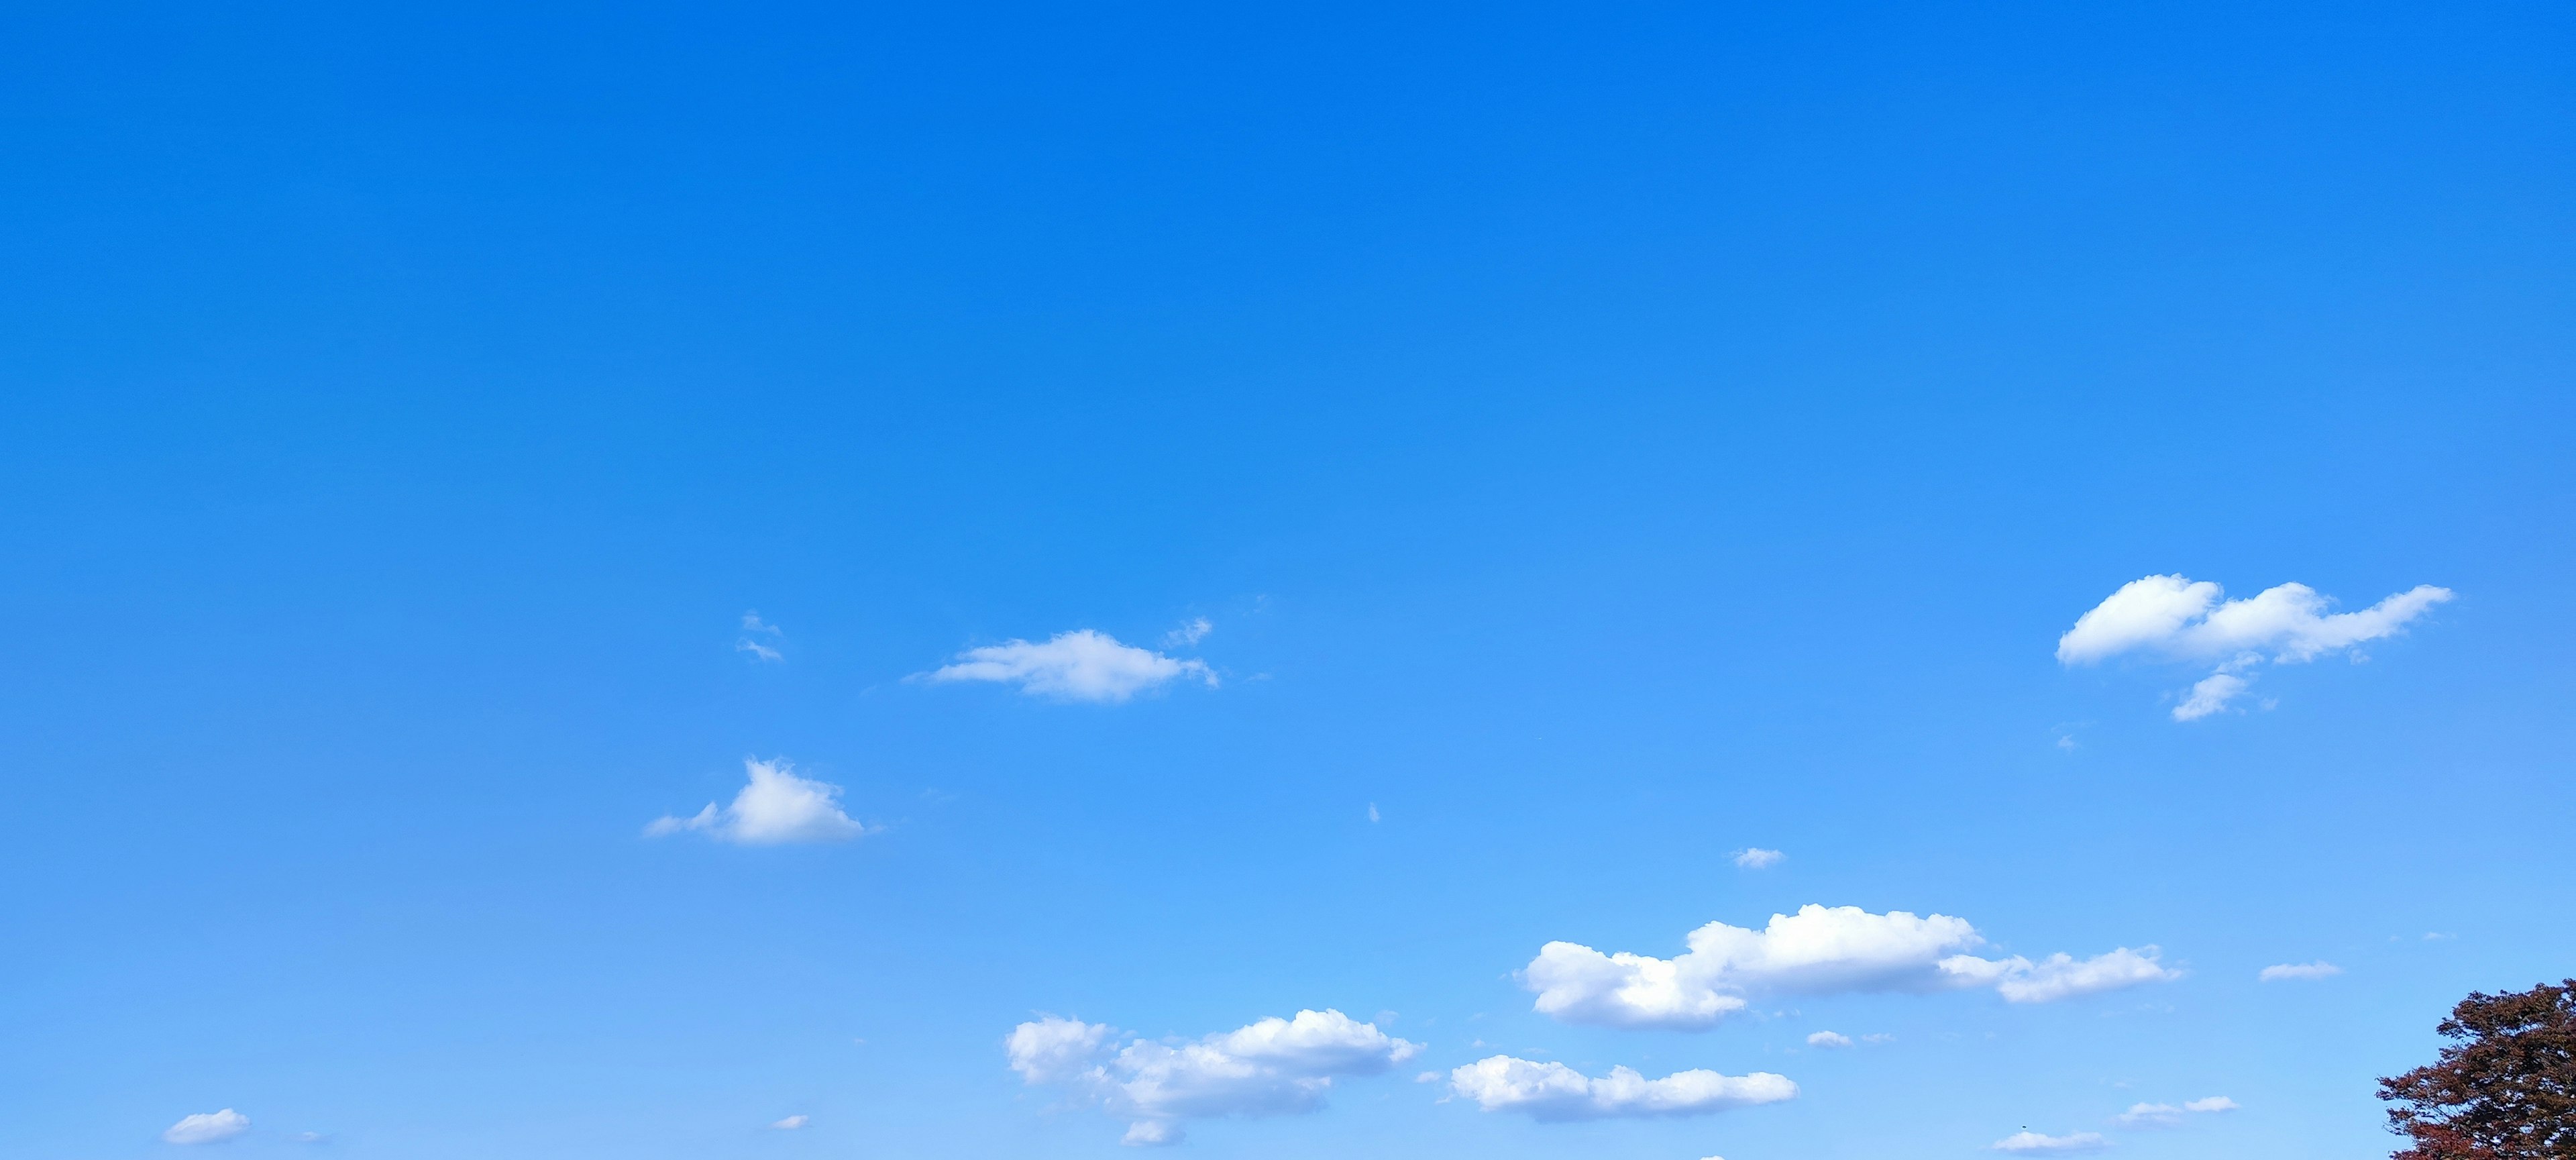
[2504,1088]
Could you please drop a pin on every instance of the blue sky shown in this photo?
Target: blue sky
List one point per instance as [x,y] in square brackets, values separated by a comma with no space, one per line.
[1509,462]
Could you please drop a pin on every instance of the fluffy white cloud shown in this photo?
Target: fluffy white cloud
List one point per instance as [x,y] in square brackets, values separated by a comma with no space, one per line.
[2171,1115]
[1081,665]
[1757,858]
[1553,1091]
[207,1127]
[2029,1141]
[1269,1067]
[2319,969]
[775,807]
[1829,1039]
[2178,618]
[1816,951]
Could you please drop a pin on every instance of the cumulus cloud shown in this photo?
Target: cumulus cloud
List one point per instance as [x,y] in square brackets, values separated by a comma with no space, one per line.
[2180,619]
[2171,1115]
[1757,858]
[1081,665]
[1553,1091]
[2319,969]
[775,808]
[2034,1142]
[1270,1067]
[1816,951]
[1829,1039]
[207,1127]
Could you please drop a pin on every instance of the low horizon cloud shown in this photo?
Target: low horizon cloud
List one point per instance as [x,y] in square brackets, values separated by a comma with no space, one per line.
[1817,951]
[2046,1145]
[2171,1115]
[775,808]
[1269,1067]
[206,1128]
[2278,972]
[1553,1092]
[1082,665]
[2176,618]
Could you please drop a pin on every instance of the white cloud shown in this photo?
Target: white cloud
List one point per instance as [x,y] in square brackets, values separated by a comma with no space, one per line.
[1813,952]
[2029,1141]
[753,628]
[1269,1067]
[207,1127]
[1188,634]
[2177,618]
[2209,695]
[2319,969]
[1553,1091]
[1757,858]
[2171,1115]
[775,808]
[1081,665]
[1829,1039]
[790,1124]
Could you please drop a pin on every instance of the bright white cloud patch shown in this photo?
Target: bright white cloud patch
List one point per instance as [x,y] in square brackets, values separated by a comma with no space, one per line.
[1816,951]
[2171,1115]
[207,1127]
[1073,666]
[1829,1039]
[2319,969]
[2181,619]
[1270,1067]
[775,808]
[1553,1091]
[1757,858]
[2045,1145]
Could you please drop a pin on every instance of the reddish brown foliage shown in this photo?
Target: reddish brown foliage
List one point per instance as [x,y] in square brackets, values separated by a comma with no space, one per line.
[2504,1089]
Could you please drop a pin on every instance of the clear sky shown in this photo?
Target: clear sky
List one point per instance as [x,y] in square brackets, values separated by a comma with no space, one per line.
[641,581]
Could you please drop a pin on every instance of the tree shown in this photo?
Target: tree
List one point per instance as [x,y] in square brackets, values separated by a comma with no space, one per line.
[2503,1089]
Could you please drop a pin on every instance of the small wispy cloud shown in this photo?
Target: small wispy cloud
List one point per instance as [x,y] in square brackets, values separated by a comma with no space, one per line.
[789,1124]
[759,638]
[2171,1115]
[2040,1144]
[2279,972]
[1081,665]
[1188,634]
[1553,1091]
[2180,619]
[1757,858]
[206,1128]
[1829,1039]
[1270,1067]
[774,808]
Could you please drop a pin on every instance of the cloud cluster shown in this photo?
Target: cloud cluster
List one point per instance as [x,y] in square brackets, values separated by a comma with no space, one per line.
[1269,1067]
[2319,969]
[1081,665]
[1817,951]
[207,1127]
[1553,1091]
[2180,619]
[2171,1115]
[2045,1145]
[775,807]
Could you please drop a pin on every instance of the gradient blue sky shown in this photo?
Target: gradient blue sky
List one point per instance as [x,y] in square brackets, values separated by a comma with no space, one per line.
[1601,440]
